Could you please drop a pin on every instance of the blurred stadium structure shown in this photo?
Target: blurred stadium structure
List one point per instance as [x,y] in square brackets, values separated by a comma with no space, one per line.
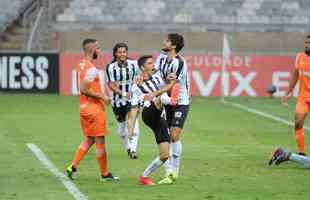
[277,22]
[196,15]
[28,21]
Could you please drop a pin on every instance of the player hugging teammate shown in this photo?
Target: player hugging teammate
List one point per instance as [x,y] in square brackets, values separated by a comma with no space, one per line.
[171,69]
[169,62]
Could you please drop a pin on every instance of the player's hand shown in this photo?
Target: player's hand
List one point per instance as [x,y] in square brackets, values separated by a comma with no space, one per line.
[106,99]
[171,77]
[285,99]
[148,97]
[127,95]
[138,80]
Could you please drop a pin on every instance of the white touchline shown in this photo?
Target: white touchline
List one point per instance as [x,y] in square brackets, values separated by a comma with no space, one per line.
[263,114]
[76,193]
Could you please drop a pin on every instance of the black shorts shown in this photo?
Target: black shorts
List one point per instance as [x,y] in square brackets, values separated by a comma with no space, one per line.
[176,115]
[153,118]
[121,112]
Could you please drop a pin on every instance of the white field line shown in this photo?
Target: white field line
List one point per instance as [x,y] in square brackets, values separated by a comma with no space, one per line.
[76,193]
[263,114]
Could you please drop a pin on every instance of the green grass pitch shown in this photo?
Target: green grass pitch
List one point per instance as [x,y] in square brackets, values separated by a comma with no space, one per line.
[225,151]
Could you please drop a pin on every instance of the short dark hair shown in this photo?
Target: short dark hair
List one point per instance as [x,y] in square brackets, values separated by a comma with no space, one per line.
[142,60]
[308,36]
[87,41]
[177,40]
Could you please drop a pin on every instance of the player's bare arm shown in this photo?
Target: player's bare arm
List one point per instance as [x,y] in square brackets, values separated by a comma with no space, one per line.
[171,77]
[85,90]
[291,87]
[106,99]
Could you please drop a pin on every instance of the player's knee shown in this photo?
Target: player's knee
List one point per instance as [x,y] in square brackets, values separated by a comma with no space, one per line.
[175,137]
[299,124]
[175,134]
[100,140]
[90,139]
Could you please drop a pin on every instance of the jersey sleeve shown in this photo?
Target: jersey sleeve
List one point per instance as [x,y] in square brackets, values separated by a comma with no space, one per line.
[160,59]
[81,66]
[178,68]
[137,96]
[136,69]
[91,74]
[109,73]
[159,79]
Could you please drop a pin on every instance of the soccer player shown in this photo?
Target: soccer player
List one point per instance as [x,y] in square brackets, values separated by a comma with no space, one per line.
[153,111]
[280,155]
[301,73]
[171,62]
[92,112]
[120,75]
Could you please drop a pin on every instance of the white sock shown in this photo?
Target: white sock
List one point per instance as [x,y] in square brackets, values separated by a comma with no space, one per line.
[168,163]
[156,163]
[135,137]
[176,155]
[122,131]
[300,159]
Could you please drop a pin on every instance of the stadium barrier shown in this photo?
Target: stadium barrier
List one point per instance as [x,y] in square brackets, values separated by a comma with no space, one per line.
[248,75]
[29,72]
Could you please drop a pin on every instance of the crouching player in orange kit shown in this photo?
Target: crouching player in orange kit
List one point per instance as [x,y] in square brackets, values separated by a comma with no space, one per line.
[92,112]
[301,74]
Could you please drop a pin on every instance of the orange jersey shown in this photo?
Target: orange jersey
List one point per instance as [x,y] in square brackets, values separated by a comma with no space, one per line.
[303,65]
[86,70]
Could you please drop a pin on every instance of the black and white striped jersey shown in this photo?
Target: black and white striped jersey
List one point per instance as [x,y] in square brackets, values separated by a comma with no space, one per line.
[124,77]
[175,65]
[154,83]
